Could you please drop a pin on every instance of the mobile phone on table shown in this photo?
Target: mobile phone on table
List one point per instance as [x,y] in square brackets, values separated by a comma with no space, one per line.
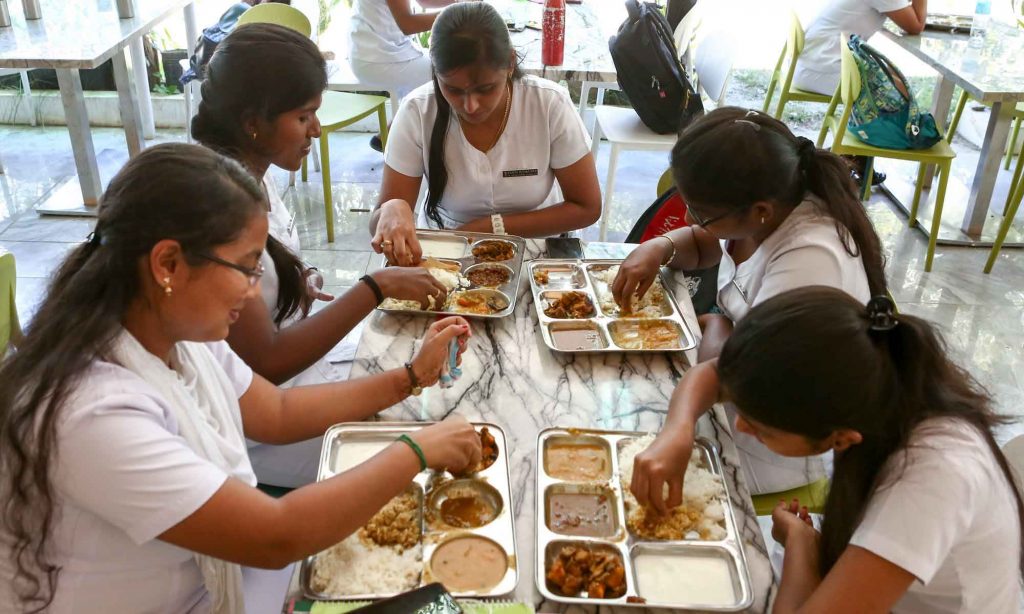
[564,247]
[430,598]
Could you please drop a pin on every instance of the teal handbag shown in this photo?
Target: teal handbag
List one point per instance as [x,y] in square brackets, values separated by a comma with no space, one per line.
[885,113]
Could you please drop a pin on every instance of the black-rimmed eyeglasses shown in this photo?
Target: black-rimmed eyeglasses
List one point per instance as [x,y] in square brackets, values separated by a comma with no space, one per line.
[705,223]
[253,274]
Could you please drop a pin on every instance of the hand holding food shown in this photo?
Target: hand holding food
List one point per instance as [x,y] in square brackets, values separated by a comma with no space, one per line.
[637,272]
[663,463]
[789,519]
[452,444]
[413,284]
[396,234]
[433,356]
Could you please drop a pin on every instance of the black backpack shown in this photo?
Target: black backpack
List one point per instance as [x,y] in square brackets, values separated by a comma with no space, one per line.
[208,42]
[675,10]
[649,70]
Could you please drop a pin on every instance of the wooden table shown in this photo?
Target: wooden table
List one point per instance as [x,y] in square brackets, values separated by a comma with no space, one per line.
[80,34]
[993,75]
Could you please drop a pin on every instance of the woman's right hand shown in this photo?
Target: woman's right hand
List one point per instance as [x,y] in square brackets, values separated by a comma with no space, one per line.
[435,352]
[452,444]
[637,272]
[664,462]
[412,284]
[396,234]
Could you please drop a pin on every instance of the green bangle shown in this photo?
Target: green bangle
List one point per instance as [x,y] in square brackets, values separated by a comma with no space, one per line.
[415,448]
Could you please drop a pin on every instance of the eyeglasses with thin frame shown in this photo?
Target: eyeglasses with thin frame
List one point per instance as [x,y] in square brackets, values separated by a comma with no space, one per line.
[253,274]
[705,223]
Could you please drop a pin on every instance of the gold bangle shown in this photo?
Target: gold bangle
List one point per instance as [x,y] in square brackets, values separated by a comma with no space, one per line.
[671,256]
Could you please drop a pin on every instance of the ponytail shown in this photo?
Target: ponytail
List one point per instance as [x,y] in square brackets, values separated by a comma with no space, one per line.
[437,169]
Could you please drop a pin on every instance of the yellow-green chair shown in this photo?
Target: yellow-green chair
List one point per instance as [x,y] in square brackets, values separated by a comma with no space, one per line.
[1012,205]
[812,495]
[790,53]
[337,109]
[10,329]
[845,143]
[665,182]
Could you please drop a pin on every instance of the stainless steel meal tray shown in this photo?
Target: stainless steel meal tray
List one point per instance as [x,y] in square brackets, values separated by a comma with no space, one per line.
[501,530]
[597,333]
[625,544]
[456,246]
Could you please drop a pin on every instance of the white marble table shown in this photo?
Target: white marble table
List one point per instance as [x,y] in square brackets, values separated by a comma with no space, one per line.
[512,379]
[80,34]
[993,75]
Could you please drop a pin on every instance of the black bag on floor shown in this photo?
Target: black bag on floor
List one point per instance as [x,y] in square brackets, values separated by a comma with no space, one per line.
[649,71]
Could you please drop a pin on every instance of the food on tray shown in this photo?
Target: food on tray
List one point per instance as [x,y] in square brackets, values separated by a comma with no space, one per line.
[445,265]
[646,334]
[577,339]
[570,305]
[599,572]
[577,462]
[650,305]
[588,514]
[488,452]
[476,302]
[490,276]
[684,578]
[702,512]
[467,510]
[541,276]
[493,251]
[451,280]
[396,524]
[469,564]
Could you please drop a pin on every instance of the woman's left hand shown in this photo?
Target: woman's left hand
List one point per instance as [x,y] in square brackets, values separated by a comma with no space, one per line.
[314,286]
[790,520]
[433,355]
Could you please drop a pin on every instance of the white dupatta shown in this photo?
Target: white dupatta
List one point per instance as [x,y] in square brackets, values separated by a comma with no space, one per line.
[203,402]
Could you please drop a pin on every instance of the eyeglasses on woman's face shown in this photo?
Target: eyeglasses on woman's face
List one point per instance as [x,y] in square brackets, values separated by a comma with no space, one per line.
[252,274]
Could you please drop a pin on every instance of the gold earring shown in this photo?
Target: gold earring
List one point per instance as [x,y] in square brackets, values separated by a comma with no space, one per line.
[762,219]
[254,135]
[167,286]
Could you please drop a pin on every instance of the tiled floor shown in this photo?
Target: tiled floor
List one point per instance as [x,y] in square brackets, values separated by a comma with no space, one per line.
[982,315]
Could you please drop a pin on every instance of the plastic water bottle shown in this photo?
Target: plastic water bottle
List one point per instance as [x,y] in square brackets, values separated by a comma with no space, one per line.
[553,33]
[979,25]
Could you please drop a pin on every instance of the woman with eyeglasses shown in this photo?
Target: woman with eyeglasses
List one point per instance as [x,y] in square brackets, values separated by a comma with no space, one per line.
[124,476]
[774,213]
[259,101]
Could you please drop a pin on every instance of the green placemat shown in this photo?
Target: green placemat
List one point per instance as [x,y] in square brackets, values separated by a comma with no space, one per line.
[469,607]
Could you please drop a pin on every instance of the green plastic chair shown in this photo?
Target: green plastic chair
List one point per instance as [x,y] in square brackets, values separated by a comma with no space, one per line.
[10,329]
[665,182]
[845,143]
[812,495]
[1009,212]
[790,52]
[337,109]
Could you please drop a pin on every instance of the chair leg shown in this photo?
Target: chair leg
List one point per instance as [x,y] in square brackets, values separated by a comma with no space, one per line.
[783,99]
[325,173]
[316,160]
[609,187]
[771,91]
[940,198]
[32,105]
[866,177]
[1012,148]
[829,116]
[1014,183]
[187,91]
[382,123]
[1013,204]
[305,170]
[912,219]
[960,104]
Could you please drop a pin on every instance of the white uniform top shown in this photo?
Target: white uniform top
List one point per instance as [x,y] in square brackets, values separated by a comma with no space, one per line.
[374,35]
[543,133]
[123,476]
[818,68]
[949,518]
[805,250]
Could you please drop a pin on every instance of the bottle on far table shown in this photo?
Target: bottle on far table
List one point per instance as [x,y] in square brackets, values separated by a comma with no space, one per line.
[32,9]
[553,33]
[979,25]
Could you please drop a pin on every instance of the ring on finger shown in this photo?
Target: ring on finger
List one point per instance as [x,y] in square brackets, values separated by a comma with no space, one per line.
[386,243]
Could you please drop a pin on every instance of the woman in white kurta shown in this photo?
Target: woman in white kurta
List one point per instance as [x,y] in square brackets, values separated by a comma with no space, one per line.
[260,97]
[124,473]
[774,213]
[922,516]
[501,153]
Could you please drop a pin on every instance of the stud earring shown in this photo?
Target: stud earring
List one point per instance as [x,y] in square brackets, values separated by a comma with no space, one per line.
[254,135]
[167,286]
[762,219]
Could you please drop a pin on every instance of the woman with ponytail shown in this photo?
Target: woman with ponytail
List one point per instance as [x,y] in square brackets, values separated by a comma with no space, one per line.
[774,213]
[124,479]
[922,515]
[259,102]
[491,142]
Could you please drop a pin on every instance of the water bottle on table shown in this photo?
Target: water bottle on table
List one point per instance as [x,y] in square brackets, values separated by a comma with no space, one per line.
[979,25]
[552,48]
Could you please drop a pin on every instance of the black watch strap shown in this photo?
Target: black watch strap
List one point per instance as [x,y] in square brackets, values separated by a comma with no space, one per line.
[416,389]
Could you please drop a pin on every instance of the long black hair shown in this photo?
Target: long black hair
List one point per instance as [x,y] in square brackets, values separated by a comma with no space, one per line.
[810,361]
[174,191]
[732,158]
[260,71]
[463,35]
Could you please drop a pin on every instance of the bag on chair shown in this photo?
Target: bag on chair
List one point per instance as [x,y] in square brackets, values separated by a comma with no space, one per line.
[208,42]
[885,113]
[649,71]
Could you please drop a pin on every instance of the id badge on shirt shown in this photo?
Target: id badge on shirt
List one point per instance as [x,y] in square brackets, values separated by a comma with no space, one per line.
[520,172]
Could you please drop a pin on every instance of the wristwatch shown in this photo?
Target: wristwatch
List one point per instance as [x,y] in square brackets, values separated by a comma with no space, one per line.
[415,383]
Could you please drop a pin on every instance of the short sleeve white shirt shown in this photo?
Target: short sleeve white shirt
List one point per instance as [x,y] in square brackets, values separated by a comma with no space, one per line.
[374,35]
[544,133]
[805,250]
[122,477]
[948,517]
[819,61]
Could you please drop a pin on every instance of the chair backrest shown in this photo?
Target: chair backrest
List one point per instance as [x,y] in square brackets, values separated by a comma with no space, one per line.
[280,14]
[665,181]
[1014,453]
[685,36]
[849,85]
[10,329]
[794,47]
[714,64]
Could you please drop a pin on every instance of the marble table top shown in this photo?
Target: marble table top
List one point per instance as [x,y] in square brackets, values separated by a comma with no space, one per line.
[587,28]
[76,33]
[512,379]
[993,73]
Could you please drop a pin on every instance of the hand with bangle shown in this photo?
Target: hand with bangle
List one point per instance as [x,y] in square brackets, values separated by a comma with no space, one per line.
[452,444]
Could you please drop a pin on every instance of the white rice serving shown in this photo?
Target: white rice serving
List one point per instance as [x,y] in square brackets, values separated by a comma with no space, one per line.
[450,280]
[354,568]
[647,306]
[703,491]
